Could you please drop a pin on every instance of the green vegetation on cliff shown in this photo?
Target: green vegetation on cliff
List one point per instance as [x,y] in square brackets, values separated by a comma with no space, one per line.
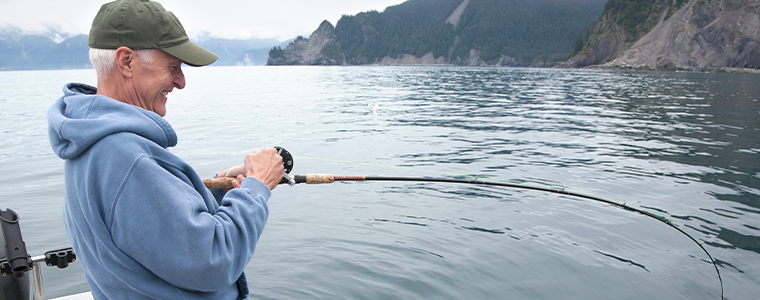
[638,17]
[277,52]
[332,51]
[634,15]
[527,30]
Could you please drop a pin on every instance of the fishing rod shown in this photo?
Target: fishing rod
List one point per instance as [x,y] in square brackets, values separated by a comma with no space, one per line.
[287,161]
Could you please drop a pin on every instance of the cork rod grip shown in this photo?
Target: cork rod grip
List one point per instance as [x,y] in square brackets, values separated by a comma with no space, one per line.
[226,182]
[319,178]
[219,183]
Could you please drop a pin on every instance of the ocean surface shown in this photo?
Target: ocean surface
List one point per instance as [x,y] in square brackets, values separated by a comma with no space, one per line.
[685,146]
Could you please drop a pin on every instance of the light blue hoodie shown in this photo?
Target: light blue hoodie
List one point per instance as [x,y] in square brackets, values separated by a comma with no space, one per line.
[139,218]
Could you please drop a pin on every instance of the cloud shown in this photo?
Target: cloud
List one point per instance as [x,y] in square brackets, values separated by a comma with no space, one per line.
[223,18]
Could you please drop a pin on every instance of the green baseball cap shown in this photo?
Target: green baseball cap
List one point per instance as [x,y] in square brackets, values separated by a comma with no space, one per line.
[144,24]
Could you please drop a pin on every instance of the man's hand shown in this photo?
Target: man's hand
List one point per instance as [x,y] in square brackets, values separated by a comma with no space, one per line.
[236,171]
[264,165]
[232,172]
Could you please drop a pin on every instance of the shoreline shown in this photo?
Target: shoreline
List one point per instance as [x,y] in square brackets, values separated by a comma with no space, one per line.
[554,66]
[706,70]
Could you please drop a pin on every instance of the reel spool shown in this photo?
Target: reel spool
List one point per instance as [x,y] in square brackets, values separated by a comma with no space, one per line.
[287,159]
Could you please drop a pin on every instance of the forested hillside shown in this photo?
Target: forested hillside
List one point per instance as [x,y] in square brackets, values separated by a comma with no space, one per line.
[535,30]
[415,27]
[487,31]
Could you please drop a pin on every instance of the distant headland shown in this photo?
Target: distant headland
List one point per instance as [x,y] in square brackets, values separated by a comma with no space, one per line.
[693,35]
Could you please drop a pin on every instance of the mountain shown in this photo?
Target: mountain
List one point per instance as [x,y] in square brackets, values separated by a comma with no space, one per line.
[39,52]
[231,50]
[469,32]
[50,51]
[72,53]
[698,35]
[253,57]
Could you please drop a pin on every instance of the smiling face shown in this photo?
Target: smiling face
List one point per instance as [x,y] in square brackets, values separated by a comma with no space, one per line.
[152,82]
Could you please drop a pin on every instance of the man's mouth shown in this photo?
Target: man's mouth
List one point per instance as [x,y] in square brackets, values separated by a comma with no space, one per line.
[164,93]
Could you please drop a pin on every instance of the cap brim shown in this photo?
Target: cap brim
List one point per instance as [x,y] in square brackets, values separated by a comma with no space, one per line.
[192,54]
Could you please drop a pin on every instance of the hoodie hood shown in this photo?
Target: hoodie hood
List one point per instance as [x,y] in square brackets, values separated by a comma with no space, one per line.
[81,118]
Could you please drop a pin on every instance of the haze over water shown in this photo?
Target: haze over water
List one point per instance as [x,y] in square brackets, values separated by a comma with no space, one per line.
[685,146]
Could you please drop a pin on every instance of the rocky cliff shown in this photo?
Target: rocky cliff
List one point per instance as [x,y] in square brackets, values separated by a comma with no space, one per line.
[319,49]
[701,35]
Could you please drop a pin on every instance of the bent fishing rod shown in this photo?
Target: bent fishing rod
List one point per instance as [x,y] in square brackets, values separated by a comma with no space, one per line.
[287,161]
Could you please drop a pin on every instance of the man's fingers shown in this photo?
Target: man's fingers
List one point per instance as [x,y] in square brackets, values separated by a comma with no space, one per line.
[264,165]
[236,183]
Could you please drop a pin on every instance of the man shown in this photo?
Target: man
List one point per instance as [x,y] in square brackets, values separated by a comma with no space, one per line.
[139,218]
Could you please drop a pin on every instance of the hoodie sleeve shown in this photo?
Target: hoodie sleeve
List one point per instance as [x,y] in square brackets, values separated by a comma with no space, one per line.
[218,194]
[164,224]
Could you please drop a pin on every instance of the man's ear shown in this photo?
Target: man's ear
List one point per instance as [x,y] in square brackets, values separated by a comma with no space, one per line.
[124,59]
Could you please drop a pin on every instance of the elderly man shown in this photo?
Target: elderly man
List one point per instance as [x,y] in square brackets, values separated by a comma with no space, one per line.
[138,217]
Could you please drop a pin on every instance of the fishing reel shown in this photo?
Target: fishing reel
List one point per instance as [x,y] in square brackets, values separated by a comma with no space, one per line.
[287,165]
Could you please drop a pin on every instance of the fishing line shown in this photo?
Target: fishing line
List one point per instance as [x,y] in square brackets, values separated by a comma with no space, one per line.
[477,180]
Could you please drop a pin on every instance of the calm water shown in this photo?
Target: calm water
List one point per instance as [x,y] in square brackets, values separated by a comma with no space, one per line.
[683,145]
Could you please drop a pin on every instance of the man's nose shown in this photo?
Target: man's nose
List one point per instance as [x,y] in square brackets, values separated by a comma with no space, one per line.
[179,80]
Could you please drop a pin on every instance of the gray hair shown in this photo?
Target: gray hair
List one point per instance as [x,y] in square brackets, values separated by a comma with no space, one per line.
[104,60]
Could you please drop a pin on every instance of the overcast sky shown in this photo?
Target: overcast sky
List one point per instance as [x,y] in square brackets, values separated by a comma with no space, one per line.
[282,19]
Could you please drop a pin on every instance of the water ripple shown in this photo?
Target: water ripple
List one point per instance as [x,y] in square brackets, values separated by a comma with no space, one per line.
[685,145]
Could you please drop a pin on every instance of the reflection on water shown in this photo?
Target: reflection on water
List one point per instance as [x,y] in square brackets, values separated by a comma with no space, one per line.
[682,145]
